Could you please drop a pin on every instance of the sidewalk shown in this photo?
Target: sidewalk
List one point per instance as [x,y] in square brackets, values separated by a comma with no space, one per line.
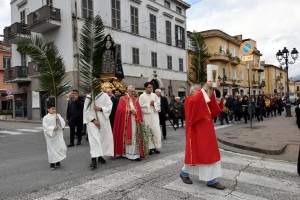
[274,136]
[21,121]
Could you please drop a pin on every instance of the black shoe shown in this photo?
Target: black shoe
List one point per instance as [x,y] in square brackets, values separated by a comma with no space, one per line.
[165,137]
[150,151]
[52,166]
[186,180]
[156,151]
[138,159]
[58,164]
[71,145]
[93,165]
[78,143]
[217,186]
[101,160]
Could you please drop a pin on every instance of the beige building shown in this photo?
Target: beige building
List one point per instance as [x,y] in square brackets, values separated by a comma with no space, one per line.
[226,61]
[275,79]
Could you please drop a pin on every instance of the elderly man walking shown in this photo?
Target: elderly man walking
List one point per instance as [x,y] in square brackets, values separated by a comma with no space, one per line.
[125,128]
[202,155]
[150,107]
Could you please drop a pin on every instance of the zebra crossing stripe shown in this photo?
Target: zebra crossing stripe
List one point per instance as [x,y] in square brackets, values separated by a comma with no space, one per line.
[11,132]
[250,178]
[28,130]
[201,191]
[261,164]
[98,186]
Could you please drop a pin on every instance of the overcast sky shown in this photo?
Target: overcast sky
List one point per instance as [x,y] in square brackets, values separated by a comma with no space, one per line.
[273,24]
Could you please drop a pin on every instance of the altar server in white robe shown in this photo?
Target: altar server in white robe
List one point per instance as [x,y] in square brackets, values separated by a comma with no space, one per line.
[96,118]
[150,106]
[53,125]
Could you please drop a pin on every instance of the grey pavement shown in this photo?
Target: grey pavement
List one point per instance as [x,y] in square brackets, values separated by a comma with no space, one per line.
[274,136]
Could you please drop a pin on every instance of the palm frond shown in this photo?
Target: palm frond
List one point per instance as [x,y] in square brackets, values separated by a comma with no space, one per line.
[91,53]
[50,64]
[199,58]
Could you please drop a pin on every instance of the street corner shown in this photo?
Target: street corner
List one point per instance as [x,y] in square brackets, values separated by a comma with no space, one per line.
[253,139]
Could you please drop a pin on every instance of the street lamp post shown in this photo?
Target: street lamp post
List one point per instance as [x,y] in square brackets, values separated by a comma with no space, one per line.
[224,78]
[282,57]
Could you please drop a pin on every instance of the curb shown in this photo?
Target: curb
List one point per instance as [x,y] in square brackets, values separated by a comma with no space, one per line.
[22,121]
[255,149]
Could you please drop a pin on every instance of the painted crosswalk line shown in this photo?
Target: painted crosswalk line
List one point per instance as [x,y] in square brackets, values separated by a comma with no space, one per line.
[28,130]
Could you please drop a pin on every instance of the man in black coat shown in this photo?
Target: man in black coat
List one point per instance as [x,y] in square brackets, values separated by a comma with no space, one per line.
[115,101]
[75,117]
[163,114]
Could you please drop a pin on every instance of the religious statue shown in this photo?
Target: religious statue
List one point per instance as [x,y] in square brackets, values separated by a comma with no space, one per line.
[109,58]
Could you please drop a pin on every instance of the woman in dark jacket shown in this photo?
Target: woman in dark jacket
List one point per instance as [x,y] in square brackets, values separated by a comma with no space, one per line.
[260,108]
[237,109]
[245,103]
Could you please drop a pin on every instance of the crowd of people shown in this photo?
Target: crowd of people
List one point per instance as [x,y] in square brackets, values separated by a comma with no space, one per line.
[237,108]
[110,122]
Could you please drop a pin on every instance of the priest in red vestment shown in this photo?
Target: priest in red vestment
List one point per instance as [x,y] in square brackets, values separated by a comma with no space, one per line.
[128,113]
[202,155]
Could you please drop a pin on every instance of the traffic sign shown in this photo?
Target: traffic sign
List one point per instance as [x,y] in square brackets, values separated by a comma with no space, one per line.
[247,48]
[247,58]
[9,92]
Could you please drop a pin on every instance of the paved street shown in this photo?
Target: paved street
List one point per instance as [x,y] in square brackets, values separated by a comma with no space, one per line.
[25,173]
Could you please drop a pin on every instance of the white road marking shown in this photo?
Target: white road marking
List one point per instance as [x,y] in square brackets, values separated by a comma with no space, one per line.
[11,132]
[29,130]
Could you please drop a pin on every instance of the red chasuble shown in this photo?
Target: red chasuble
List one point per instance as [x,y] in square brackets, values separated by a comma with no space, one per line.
[201,141]
[122,129]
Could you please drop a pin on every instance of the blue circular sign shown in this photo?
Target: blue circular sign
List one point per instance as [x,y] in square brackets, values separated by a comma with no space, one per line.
[247,48]
[9,92]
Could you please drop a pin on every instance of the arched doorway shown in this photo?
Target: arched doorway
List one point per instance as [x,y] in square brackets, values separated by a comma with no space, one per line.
[155,84]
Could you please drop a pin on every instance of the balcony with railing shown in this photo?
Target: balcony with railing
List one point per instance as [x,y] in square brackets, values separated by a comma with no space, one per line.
[14,33]
[223,57]
[45,19]
[16,74]
[234,60]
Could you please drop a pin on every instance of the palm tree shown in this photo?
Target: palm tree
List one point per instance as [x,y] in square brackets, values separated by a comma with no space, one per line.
[199,58]
[50,64]
[91,54]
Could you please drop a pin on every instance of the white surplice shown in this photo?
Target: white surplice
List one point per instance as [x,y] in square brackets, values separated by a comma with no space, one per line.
[205,172]
[56,146]
[101,140]
[151,117]
[132,151]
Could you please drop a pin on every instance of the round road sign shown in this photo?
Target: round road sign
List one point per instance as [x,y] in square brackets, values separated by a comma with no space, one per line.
[247,48]
[9,92]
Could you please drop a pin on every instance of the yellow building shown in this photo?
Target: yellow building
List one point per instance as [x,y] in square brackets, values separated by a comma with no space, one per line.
[275,79]
[226,61]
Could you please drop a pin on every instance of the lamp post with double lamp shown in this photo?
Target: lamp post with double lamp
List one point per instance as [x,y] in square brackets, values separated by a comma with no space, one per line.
[282,57]
[223,83]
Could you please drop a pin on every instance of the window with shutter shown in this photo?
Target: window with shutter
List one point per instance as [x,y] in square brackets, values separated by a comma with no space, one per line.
[116,13]
[152,26]
[168,32]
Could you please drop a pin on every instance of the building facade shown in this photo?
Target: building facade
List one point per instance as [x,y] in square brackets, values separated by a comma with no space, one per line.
[5,88]
[275,78]
[150,36]
[226,61]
